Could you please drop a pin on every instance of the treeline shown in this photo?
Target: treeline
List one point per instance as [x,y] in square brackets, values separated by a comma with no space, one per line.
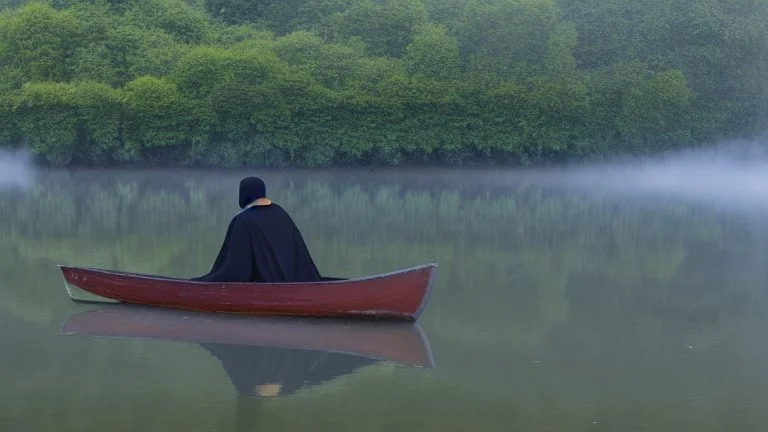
[347,82]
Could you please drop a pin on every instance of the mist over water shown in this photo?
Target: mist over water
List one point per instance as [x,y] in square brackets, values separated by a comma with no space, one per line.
[734,173]
[16,170]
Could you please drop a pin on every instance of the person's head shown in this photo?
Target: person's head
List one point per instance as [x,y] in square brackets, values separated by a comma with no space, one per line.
[251,189]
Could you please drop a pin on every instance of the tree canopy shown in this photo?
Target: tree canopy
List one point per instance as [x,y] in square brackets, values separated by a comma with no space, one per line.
[349,82]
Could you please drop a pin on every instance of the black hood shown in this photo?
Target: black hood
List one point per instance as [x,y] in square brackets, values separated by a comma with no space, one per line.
[251,189]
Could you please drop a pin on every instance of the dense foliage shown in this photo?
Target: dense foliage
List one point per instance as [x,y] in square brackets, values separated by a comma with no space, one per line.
[234,82]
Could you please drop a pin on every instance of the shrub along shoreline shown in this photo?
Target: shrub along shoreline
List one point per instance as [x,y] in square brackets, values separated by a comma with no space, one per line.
[364,82]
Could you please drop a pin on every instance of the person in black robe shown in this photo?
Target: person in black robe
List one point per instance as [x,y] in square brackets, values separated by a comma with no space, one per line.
[262,243]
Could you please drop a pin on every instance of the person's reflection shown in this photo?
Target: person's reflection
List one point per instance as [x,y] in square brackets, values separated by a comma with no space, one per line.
[270,371]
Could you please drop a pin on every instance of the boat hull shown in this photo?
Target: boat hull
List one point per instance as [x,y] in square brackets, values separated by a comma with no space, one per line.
[401,295]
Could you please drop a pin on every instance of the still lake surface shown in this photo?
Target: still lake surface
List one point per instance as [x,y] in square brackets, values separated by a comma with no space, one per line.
[566,302]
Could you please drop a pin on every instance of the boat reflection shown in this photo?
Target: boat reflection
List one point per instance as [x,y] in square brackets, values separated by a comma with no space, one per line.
[266,356]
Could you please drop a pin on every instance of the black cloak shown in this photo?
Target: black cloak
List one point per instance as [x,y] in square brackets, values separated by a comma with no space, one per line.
[262,244]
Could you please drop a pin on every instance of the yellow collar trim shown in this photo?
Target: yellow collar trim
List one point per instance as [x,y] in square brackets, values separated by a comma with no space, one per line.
[261,202]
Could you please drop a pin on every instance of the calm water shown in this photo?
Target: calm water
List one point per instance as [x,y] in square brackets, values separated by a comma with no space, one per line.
[559,306]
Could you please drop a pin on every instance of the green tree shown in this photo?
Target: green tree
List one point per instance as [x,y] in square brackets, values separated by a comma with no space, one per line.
[654,109]
[279,16]
[433,54]
[48,117]
[37,40]
[101,111]
[386,27]
[8,129]
[718,45]
[174,17]
[156,123]
[506,38]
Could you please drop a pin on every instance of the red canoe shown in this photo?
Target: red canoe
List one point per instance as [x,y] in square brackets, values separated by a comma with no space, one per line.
[400,295]
[402,343]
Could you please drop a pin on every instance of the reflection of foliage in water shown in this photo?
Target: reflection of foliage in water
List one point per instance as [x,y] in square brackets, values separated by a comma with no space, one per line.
[526,272]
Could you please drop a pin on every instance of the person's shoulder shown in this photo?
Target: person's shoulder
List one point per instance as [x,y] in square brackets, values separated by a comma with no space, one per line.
[277,207]
[239,218]
[274,212]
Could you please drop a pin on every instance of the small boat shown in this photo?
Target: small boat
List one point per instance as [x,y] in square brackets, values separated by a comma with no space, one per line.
[399,295]
[400,343]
